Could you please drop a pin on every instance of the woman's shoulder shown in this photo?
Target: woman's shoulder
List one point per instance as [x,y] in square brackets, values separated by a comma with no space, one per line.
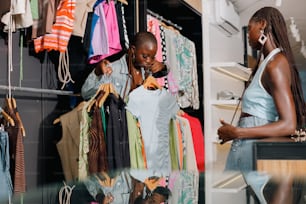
[277,65]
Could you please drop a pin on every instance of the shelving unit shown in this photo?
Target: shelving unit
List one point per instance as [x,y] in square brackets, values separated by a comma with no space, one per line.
[233,69]
[229,77]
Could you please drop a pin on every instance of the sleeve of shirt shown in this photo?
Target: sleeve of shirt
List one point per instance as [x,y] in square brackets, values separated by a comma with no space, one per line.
[92,84]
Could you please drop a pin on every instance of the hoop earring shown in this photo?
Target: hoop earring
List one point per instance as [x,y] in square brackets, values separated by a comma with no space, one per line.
[262,38]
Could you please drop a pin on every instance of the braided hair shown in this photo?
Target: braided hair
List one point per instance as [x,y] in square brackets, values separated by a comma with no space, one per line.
[276,28]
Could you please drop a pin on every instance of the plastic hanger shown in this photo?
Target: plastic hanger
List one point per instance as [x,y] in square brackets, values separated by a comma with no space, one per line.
[151,83]
[7,117]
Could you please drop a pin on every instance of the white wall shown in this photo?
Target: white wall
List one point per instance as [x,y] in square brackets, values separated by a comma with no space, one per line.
[223,48]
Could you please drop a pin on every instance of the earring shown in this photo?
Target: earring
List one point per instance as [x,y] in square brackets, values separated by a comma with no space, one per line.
[262,38]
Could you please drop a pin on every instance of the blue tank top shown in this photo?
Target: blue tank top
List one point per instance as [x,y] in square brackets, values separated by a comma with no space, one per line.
[256,100]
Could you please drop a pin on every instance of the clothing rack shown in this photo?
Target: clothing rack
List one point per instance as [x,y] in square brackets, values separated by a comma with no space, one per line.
[37,90]
[161,18]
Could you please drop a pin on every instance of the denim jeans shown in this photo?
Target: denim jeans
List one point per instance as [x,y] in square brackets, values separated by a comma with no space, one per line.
[240,158]
[5,177]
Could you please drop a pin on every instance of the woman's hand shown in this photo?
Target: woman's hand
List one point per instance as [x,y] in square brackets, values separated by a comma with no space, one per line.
[226,132]
[157,66]
[103,67]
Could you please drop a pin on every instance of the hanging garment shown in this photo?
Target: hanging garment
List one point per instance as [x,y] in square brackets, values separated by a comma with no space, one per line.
[16,146]
[5,177]
[189,163]
[97,156]
[184,187]
[84,142]
[188,79]
[47,14]
[21,15]
[61,30]
[173,145]
[198,140]
[136,144]
[124,38]
[112,30]
[82,8]
[68,146]
[154,109]
[117,141]
[153,27]
[98,32]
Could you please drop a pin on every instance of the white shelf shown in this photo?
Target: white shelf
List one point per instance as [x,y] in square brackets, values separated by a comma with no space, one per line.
[231,182]
[226,104]
[233,69]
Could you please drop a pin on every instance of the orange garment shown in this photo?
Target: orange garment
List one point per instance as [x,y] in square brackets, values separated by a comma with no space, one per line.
[143,151]
[61,30]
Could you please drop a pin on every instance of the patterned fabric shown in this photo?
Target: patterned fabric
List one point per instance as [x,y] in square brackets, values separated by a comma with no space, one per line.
[153,27]
[84,142]
[188,80]
[61,30]
[163,43]
[16,147]
[184,187]
[126,37]
[97,156]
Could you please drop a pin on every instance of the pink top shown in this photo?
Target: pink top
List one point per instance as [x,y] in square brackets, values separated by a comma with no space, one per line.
[153,27]
[112,30]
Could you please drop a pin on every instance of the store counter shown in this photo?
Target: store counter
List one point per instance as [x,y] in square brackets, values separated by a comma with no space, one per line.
[280,156]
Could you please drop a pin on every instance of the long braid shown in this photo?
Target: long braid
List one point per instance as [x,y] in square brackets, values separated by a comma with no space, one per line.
[276,26]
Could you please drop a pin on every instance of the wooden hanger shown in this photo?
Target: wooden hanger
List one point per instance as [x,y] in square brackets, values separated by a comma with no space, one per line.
[124,2]
[108,89]
[169,27]
[151,83]
[14,104]
[79,107]
[7,117]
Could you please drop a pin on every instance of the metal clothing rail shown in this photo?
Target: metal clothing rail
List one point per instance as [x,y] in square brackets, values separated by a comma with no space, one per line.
[37,90]
[161,18]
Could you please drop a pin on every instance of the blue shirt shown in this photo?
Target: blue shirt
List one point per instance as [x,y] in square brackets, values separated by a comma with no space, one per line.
[119,78]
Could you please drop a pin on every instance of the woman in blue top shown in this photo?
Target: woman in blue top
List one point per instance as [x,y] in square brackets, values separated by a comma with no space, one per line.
[272,104]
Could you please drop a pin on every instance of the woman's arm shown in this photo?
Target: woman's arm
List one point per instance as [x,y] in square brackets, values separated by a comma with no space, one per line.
[95,79]
[276,80]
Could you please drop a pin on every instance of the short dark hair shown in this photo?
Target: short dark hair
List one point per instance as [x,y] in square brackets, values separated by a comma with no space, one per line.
[143,37]
[164,191]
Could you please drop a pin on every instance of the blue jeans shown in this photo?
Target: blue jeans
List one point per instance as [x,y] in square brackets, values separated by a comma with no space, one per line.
[240,158]
[5,177]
